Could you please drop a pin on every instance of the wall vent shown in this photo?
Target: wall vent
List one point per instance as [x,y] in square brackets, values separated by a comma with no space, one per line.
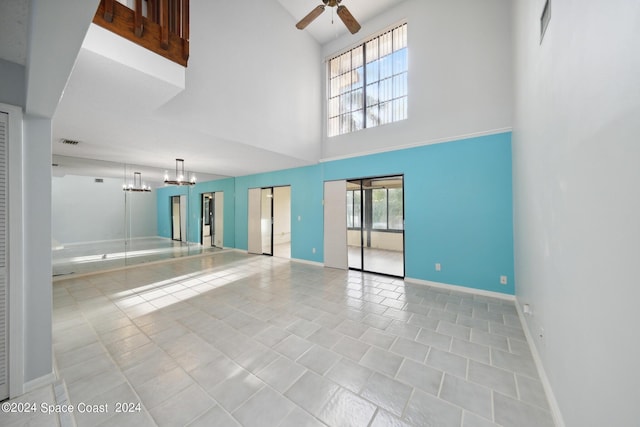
[69,142]
[99,180]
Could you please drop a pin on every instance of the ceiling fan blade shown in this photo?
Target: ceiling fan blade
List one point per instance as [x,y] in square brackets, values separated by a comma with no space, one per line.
[310,17]
[348,19]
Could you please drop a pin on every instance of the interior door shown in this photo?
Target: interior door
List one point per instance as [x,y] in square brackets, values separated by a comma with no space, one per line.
[282,221]
[254,218]
[218,219]
[183,218]
[266,220]
[335,224]
[207,237]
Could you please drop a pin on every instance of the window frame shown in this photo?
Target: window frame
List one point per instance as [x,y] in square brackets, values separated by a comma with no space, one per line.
[336,113]
[352,214]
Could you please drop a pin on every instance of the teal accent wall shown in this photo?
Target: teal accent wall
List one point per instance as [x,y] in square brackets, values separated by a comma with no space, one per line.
[458,208]
[194,209]
[306,208]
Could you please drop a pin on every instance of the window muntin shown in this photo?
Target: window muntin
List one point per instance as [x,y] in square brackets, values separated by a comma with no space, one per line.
[368,84]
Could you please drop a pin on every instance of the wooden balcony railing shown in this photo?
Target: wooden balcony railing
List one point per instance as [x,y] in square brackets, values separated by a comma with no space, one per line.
[161,26]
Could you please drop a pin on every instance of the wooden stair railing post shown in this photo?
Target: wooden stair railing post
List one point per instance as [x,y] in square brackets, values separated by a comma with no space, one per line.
[163,29]
[152,10]
[185,29]
[164,24]
[108,10]
[138,27]
[176,17]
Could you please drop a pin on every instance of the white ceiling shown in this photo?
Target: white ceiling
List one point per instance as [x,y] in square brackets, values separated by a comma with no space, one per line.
[328,26]
[14,15]
[119,117]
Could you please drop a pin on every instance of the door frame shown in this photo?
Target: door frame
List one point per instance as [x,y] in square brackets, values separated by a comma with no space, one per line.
[212,216]
[173,221]
[271,220]
[254,221]
[363,230]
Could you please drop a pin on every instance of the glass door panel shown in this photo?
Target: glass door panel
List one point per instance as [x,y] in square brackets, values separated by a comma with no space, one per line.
[375,221]
[354,224]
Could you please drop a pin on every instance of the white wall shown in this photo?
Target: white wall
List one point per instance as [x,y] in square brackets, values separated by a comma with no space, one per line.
[265,87]
[86,211]
[460,79]
[12,83]
[142,214]
[577,201]
[37,262]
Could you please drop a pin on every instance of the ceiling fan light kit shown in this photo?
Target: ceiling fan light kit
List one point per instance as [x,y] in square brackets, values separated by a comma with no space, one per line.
[347,18]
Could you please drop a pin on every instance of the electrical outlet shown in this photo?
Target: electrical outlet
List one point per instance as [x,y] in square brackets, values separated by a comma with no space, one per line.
[503,280]
[313,250]
[438,266]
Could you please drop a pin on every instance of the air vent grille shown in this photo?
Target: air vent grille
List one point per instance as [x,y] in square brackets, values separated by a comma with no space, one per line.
[69,142]
[99,180]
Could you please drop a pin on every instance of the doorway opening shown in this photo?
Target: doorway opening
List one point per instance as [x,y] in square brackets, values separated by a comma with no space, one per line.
[179,218]
[375,225]
[211,219]
[270,221]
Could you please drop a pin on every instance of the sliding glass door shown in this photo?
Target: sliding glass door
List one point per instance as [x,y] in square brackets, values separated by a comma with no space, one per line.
[375,225]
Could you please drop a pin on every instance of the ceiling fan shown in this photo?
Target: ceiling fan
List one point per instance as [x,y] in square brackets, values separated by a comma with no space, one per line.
[344,14]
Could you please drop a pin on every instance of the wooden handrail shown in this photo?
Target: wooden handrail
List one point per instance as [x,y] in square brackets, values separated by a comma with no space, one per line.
[164,29]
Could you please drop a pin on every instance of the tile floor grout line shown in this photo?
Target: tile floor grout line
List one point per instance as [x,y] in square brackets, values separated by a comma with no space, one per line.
[307,296]
[116,365]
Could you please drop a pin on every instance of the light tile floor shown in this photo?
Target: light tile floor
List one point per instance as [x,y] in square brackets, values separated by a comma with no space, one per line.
[234,339]
[45,406]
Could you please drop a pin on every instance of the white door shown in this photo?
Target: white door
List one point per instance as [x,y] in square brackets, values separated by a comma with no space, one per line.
[218,219]
[254,237]
[335,224]
[4,345]
[183,218]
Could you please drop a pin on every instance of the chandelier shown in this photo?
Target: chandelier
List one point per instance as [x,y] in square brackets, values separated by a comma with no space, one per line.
[136,184]
[180,177]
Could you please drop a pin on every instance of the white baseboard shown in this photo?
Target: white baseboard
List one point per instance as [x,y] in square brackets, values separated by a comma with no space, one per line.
[39,382]
[464,289]
[551,398]
[305,261]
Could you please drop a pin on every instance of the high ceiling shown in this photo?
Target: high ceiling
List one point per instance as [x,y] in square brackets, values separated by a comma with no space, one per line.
[252,100]
[328,26]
